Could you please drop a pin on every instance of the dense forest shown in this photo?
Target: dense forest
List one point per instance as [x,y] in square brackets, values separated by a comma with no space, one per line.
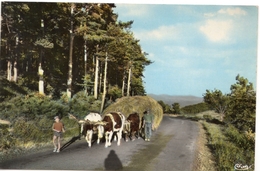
[64,48]
[60,58]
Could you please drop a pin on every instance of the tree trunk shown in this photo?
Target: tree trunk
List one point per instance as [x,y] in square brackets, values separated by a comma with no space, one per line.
[100,79]
[40,70]
[85,60]
[15,62]
[96,79]
[41,83]
[15,72]
[123,85]
[9,70]
[104,87]
[129,81]
[69,82]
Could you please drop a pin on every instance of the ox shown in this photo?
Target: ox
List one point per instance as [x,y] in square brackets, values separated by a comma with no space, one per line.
[132,126]
[89,127]
[112,122]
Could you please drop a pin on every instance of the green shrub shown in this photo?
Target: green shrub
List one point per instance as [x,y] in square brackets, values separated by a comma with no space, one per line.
[40,130]
[71,126]
[31,107]
[226,154]
[245,143]
[207,117]
[229,146]
[81,105]
[27,131]
[9,89]
[196,108]
[31,118]
[6,140]
[239,138]
[195,118]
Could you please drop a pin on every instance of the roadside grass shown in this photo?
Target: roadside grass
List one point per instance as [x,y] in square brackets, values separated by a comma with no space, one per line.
[207,115]
[204,159]
[26,137]
[228,146]
[227,150]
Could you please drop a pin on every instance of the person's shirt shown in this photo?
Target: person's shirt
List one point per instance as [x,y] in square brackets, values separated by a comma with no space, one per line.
[58,126]
[148,118]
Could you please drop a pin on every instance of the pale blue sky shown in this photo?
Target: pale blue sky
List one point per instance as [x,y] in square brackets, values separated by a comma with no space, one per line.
[194,47]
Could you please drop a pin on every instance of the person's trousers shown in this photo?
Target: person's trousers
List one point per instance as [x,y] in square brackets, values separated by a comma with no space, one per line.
[148,130]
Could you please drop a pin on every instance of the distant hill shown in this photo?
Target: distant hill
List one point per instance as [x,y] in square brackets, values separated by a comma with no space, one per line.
[182,100]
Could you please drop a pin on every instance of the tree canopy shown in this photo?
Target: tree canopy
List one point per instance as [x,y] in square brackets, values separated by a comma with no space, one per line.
[238,107]
[37,34]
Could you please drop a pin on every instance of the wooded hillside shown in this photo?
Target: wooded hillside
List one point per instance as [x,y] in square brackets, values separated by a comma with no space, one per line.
[69,47]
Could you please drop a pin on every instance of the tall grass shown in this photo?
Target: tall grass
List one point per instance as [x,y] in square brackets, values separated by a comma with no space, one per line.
[229,146]
[30,135]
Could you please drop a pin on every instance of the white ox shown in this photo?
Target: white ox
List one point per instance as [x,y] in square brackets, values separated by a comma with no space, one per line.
[89,127]
[112,122]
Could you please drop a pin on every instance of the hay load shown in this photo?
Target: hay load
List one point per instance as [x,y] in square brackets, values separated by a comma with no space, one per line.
[139,104]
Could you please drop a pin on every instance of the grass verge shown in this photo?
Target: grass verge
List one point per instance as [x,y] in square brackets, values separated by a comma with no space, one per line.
[204,160]
[226,151]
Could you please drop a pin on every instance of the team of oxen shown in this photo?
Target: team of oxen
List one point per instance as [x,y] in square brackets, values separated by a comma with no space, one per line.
[111,125]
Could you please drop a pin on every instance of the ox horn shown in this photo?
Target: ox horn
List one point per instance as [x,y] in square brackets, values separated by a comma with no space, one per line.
[81,121]
[85,121]
[100,123]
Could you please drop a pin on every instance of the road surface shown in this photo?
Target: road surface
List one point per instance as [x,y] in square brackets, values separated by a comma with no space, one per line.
[172,148]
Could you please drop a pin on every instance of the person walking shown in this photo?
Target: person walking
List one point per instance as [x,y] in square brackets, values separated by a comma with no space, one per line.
[58,129]
[147,124]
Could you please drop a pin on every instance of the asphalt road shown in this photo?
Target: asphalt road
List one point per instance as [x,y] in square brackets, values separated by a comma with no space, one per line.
[172,148]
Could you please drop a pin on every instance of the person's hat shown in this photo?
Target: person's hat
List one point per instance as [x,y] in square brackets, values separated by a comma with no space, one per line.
[56,117]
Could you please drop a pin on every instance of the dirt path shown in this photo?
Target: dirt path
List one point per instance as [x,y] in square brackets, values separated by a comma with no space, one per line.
[172,147]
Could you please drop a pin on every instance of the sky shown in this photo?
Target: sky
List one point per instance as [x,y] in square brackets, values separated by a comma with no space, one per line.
[194,48]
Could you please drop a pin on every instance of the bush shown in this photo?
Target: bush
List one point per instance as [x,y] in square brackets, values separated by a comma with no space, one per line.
[31,107]
[207,117]
[31,117]
[229,146]
[227,155]
[27,131]
[196,108]
[81,105]
[71,127]
[243,141]
[239,138]
[195,118]
[40,130]
[6,140]
[10,89]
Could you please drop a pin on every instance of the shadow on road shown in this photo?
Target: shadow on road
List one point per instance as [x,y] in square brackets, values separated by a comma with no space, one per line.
[112,162]
[73,139]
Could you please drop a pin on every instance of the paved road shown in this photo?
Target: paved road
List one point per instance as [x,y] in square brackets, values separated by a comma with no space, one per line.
[172,148]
